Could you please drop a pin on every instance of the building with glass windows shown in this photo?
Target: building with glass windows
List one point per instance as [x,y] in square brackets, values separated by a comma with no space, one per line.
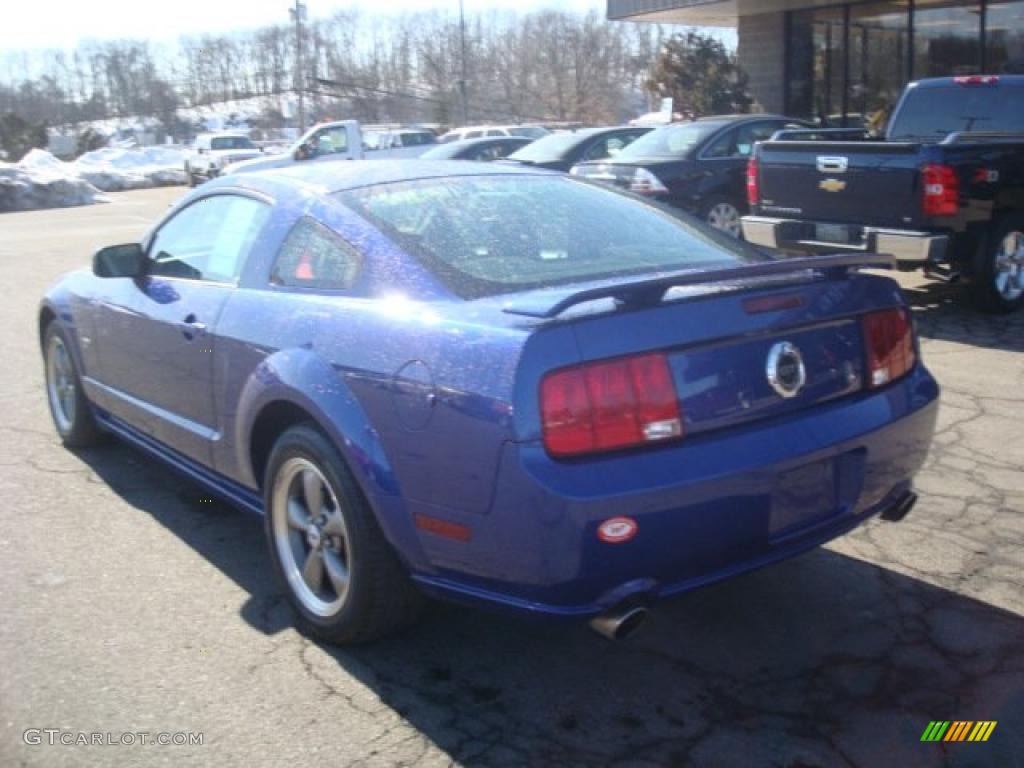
[845,62]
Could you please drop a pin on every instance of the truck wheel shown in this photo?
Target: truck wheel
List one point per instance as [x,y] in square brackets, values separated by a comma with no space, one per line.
[339,572]
[722,215]
[998,284]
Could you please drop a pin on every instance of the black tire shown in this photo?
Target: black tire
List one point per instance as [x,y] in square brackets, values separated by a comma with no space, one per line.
[989,289]
[69,408]
[379,597]
[710,215]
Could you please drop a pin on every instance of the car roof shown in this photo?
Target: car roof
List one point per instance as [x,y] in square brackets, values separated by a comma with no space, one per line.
[326,178]
[740,118]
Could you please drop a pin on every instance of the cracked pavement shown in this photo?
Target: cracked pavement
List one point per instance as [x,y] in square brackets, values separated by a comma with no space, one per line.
[131,602]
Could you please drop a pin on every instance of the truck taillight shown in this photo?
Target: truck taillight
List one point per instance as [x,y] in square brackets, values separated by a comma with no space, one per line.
[609,405]
[977,80]
[889,343]
[753,185]
[941,194]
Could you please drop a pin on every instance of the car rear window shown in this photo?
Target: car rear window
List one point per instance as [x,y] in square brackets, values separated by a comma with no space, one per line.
[670,141]
[547,149]
[487,235]
[935,112]
[231,142]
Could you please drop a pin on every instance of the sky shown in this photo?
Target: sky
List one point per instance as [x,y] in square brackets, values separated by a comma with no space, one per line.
[29,25]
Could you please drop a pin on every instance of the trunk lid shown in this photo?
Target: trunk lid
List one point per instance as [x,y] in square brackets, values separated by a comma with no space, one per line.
[725,343]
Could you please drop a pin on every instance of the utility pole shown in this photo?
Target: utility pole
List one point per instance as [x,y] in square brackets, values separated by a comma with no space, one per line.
[462,81]
[298,13]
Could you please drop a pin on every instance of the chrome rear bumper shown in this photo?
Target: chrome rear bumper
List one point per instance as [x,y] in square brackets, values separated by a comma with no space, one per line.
[793,235]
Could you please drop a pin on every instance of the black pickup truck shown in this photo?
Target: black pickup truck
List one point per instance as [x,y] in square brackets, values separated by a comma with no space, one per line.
[943,190]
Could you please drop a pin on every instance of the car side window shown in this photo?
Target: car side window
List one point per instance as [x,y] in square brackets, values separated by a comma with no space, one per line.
[330,141]
[208,240]
[473,134]
[723,146]
[314,257]
[494,132]
[748,135]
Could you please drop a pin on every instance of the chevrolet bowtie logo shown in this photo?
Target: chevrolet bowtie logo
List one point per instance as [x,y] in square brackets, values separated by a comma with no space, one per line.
[832,185]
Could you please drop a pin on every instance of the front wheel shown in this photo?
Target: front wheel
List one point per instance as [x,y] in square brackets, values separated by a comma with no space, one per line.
[339,572]
[722,215]
[69,408]
[998,284]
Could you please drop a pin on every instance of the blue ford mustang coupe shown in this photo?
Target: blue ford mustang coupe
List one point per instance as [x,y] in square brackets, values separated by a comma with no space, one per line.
[494,385]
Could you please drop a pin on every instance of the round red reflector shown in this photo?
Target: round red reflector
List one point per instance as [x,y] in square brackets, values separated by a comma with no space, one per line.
[617,530]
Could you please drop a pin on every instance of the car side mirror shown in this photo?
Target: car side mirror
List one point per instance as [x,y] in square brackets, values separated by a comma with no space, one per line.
[304,152]
[201,151]
[119,261]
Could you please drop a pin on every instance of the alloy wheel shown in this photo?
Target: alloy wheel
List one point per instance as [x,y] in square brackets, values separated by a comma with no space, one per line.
[311,537]
[60,384]
[1009,266]
[725,217]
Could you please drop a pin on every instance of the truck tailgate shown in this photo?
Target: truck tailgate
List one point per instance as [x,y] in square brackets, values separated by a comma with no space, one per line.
[853,182]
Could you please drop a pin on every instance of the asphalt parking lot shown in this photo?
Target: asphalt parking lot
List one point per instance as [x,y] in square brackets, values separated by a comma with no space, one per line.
[131,603]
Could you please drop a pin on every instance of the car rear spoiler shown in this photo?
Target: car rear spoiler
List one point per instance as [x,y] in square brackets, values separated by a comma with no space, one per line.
[548,304]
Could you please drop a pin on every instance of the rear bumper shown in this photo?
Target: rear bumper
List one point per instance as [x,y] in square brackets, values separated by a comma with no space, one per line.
[707,509]
[906,246]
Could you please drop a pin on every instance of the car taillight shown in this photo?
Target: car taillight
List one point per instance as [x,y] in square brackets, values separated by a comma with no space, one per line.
[889,343]
[609,405]
[646,183]
[753,184]
[941,191]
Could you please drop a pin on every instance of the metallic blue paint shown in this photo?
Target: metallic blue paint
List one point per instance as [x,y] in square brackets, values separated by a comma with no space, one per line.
[433,402]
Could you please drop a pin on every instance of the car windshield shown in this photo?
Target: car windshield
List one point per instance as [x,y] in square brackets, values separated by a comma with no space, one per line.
[932,113]
[487,235]
[231,142]
[529,131]
[669,141]
[417,139]
[549,148]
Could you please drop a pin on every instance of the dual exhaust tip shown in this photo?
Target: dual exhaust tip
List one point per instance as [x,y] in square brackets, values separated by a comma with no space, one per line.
[620,623]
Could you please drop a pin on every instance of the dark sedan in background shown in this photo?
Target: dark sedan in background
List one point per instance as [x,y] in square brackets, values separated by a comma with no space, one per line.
[561,151]
[491,148]
[699,167]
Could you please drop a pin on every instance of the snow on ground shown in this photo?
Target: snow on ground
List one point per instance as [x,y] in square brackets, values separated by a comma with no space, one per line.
[113,169]
[43,182]
[40,180]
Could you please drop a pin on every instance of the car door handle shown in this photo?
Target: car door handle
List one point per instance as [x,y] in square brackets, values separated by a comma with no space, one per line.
[191,327]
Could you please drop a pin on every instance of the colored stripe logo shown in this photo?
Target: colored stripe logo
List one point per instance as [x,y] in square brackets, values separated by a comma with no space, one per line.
[958,730]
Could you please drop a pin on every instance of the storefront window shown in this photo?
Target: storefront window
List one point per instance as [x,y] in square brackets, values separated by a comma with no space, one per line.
[879,48]
[947,38]
[817,64]
[1005,37]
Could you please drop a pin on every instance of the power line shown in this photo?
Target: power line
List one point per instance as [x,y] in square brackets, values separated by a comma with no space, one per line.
[480,109]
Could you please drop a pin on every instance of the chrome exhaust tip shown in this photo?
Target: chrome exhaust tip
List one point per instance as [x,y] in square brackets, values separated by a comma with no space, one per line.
[619,623]
[901,508]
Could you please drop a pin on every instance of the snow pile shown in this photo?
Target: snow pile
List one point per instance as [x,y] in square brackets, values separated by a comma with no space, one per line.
[113,169]
[42,181]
